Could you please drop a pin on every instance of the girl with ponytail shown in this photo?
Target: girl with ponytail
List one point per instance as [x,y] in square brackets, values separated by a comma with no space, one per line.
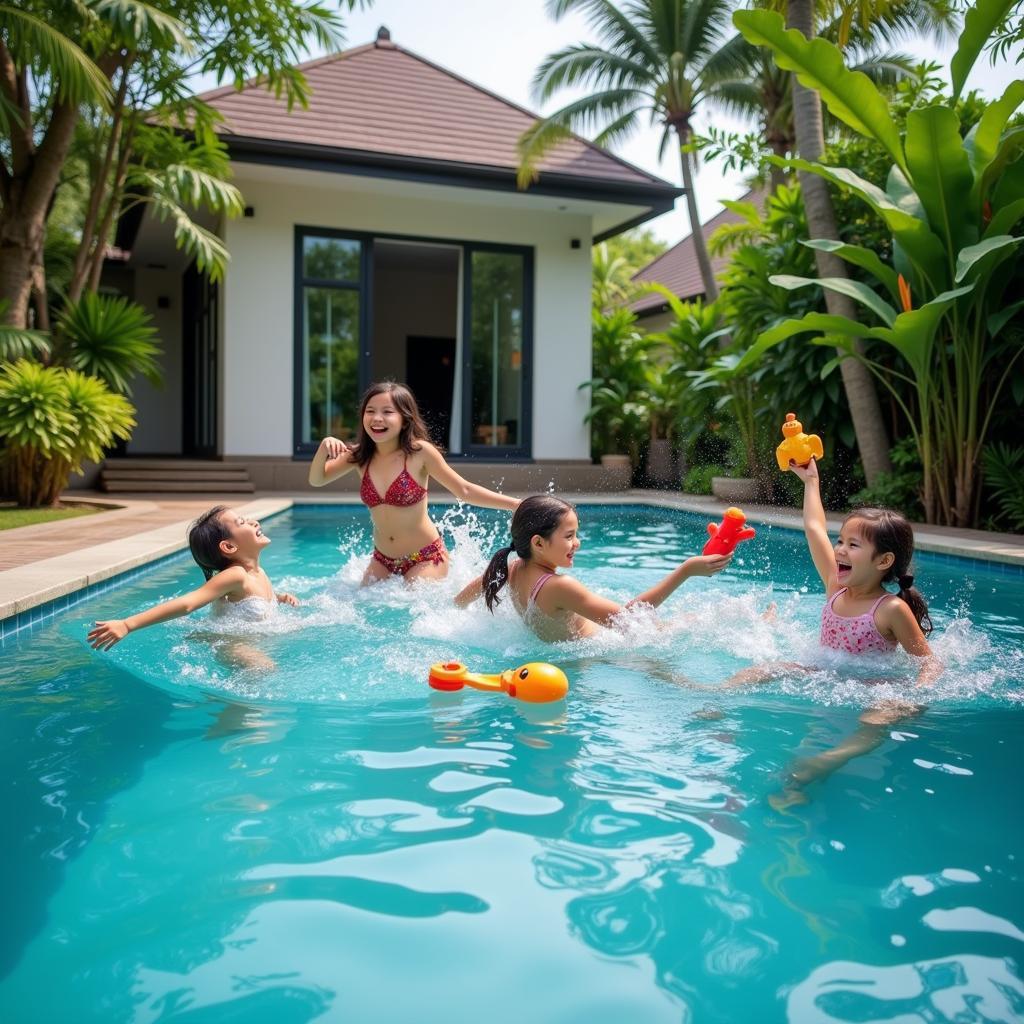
[875,547]
[545,537]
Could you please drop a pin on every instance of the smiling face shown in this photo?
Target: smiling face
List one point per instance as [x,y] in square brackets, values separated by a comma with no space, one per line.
[381,420]
[857,562]
[245,537]
[560,548]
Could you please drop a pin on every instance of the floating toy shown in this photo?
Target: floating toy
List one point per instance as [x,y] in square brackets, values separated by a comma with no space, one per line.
[798,446]
[536,683]
[726,535]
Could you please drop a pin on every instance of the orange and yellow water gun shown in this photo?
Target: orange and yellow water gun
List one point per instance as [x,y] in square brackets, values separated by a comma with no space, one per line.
[798,446]
[536,683]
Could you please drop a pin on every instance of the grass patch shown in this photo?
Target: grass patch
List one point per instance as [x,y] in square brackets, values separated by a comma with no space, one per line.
[11,516]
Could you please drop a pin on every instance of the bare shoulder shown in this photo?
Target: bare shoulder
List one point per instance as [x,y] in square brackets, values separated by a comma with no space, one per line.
[893,611]
[428,452]
[234,577]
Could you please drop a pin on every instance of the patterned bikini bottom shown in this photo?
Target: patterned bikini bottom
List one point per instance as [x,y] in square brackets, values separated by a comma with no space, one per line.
[434,553]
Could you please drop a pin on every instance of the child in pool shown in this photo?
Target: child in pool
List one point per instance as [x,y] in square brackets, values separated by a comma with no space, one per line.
[557,607]
[392,446]
[860,616]
[226,546]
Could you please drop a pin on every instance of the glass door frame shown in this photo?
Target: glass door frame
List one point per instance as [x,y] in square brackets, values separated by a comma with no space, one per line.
[520,452]
[303,449]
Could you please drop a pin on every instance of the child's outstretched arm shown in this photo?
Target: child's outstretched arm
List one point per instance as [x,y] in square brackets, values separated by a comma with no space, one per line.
[815,528]
[571,595]
[105,634]
[469,593]
[472,494]
[333,459]
[698,565]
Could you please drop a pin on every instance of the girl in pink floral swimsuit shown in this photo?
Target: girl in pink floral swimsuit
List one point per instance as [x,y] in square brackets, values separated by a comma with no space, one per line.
[392,447]
[860,617]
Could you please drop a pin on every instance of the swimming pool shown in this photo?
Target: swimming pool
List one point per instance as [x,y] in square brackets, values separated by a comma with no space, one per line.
[334,841]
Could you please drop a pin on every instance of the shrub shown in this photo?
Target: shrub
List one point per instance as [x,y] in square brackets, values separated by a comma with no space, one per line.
[110,338]
[53,419]
[698,479]
[900,489]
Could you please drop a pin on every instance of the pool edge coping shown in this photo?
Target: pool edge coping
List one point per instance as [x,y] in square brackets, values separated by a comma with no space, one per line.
[39,590]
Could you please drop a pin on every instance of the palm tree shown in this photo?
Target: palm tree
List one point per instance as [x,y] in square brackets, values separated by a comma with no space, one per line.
[761,91]
[659,58]
[889,18]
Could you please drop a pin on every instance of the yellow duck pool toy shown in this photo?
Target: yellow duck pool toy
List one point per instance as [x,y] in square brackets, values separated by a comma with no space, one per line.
[798,446]
[536,683]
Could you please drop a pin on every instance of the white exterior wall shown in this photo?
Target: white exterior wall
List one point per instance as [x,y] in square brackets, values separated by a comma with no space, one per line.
[258,297]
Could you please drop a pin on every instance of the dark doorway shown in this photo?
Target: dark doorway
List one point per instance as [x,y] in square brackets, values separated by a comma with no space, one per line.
[430,373]
[199,364]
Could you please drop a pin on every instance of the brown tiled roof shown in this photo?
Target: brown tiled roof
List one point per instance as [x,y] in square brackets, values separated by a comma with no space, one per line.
[380,99]
[677,268]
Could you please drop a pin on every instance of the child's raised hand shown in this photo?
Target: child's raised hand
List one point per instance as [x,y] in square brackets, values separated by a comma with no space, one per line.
[289,599]
[104,635]
[334,447]
[806,473]
[706,565]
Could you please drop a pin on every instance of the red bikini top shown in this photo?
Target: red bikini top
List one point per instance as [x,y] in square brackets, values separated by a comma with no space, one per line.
[403,492]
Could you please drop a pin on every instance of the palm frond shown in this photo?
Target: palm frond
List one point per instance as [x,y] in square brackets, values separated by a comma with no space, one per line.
[19,343]
[581,64]
[137,24]
[31,39]
[209,252]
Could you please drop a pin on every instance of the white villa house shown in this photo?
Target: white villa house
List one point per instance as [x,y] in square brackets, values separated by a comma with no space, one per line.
[383,237]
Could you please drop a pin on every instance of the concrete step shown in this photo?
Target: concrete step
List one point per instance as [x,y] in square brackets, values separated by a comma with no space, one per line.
[170,462]
[168,473]
[177,486]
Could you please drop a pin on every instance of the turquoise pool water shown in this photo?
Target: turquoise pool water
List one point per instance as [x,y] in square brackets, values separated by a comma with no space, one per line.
[333,841]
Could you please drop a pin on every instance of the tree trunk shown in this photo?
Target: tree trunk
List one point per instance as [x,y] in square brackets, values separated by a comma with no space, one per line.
[865,410]
[23,217]
[699,243]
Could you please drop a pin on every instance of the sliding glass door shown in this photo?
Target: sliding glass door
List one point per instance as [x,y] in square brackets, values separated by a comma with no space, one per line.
[334,340]
[497,331]
[330,327]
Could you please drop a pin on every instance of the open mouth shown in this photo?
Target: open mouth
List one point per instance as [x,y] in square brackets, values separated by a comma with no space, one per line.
[842,568]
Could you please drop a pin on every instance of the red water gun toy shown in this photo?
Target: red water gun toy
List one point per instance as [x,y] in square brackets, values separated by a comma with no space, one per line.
[536,683]
[726,535]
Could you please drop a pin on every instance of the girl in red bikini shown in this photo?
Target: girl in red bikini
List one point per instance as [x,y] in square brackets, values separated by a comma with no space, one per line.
[395,460]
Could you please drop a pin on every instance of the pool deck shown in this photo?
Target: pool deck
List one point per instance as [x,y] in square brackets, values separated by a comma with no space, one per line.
[43,563]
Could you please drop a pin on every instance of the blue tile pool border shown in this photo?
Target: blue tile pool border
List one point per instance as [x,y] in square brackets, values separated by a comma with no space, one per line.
[42,613]
[48,609]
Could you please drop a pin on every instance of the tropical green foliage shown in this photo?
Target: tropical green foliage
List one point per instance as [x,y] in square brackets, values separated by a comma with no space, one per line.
[18,343]
[950,204]
[1004,475]
[52,419]
[110,338]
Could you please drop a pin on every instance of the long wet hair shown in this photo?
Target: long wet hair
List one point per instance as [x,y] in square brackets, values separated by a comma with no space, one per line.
[889,532]
[536,516]
[204,537]
[413,430]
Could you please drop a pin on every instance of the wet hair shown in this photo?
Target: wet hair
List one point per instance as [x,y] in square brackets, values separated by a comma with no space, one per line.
[204,537]
[413,431]
[536,516]
[889,532]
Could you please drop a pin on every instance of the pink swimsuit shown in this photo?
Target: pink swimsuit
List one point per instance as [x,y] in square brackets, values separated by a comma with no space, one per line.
[856,634]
